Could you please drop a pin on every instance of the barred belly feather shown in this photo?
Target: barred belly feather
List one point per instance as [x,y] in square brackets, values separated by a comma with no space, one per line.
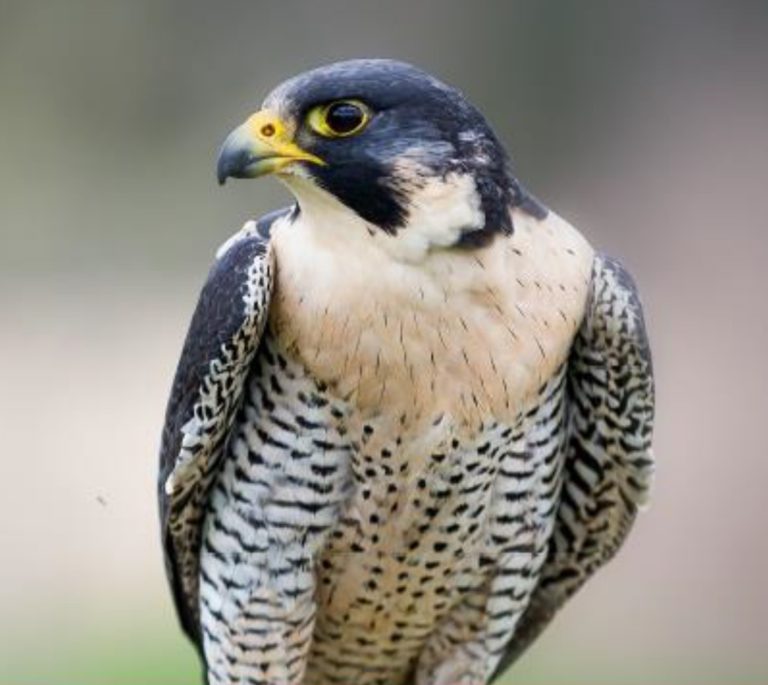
[410,569]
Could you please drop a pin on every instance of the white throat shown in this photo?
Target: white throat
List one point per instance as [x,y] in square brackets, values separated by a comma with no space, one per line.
[439,211]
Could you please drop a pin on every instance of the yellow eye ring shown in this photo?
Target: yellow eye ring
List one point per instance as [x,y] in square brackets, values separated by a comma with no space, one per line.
[339,119]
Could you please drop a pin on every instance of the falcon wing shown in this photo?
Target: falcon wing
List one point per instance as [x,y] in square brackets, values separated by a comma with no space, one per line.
[608,460]
[221,342]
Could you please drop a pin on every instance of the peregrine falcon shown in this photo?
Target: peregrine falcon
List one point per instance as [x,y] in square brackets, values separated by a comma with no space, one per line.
[413,411]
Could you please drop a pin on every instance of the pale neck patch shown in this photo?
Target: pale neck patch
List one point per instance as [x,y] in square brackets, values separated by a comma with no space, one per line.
[440,210]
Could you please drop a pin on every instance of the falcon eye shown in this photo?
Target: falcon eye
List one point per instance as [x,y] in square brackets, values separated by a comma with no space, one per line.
[344,118]
[339,119]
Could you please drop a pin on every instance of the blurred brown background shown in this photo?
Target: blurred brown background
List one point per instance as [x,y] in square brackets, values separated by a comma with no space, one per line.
[645,124]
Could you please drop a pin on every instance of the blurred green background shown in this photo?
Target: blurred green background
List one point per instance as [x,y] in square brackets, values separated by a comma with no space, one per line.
[645,124]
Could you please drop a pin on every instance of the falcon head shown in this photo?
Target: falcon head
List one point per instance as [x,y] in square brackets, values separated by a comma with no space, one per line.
[387,142]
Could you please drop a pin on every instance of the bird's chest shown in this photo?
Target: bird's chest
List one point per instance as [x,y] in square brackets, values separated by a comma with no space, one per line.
[463,334]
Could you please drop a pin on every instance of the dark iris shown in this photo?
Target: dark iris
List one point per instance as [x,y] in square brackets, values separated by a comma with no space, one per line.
[344,117]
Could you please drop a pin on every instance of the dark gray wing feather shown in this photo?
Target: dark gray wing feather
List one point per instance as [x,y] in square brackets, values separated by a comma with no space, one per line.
[608,459]
[222,339]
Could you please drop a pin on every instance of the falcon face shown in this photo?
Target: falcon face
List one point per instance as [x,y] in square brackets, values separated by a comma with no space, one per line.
[413,412]
[383,138]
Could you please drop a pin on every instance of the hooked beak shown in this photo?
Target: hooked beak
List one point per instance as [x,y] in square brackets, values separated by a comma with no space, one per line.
[262,145]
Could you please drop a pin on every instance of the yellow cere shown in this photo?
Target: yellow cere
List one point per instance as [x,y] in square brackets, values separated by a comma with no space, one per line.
[266,124]
[271,138]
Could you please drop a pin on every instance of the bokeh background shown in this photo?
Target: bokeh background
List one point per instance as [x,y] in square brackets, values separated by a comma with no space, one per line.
[645,124]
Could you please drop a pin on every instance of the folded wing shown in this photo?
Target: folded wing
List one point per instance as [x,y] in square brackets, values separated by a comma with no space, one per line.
[223,338]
